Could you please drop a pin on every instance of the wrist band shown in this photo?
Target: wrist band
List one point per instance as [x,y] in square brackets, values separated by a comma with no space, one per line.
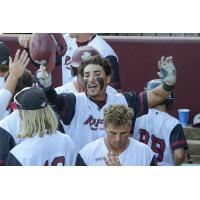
[168,88]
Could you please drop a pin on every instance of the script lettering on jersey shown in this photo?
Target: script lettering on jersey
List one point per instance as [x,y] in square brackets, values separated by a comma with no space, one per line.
[67,62]
[95,124]
[157,144]
[60,160]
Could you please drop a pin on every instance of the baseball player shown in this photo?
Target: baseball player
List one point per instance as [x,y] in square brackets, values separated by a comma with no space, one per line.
[75,40]
[4,62]
[42,144]
[83,112]
[116,147]
[7,140]
[77,85]
[16,67]
[162,132]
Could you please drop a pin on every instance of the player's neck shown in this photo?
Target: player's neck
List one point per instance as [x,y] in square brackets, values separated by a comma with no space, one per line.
[114,150]
[161,108]
[84,37]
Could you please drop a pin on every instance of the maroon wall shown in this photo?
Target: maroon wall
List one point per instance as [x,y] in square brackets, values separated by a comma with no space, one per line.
[138,58]
[12,42]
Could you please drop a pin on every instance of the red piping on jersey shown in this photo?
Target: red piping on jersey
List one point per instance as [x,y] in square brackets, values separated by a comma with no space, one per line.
[178,142]
[12,105]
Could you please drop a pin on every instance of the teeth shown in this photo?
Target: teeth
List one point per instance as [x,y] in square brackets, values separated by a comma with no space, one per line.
[92,86]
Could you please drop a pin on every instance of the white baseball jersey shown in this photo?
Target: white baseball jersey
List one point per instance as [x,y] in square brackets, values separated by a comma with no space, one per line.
[98,43]
[49,150]
[5,97]
[9,128]
[2,82]
[136,154]
[70,88]
[84,117]
[154,129]
[87,123]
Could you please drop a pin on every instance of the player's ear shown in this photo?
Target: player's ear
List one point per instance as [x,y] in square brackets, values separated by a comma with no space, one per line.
[108,79]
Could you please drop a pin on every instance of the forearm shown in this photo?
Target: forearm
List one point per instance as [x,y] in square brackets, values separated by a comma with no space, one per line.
[11,83]
[157,95]
[52,96]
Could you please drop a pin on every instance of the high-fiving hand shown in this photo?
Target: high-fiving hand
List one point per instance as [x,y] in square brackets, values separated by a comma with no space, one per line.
[18,65]
[167,70]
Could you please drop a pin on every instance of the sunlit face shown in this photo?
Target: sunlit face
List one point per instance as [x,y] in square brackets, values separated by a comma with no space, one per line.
[95,81]
[117,137]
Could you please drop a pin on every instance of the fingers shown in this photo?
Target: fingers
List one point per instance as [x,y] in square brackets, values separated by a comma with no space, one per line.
[26,62]
[161,62]
[106,161]
[10,62]
[24,40]
[160,75]
[112,160]
[169,60]
[23,56]
[17,55]
[42,67]
[109,156]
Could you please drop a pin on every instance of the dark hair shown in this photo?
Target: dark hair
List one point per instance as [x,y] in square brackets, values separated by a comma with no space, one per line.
[26,80]
[97,60]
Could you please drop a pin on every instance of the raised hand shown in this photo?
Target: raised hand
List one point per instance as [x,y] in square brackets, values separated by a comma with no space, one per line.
[111,160]
[16,69]
[167,70]
[24,40]
[18,65]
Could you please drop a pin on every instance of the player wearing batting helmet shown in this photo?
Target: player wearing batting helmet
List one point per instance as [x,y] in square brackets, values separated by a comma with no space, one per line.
[80,55]
[162,132]
[76,40]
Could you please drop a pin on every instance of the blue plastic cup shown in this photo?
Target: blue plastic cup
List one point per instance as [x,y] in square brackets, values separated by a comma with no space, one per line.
[183,115]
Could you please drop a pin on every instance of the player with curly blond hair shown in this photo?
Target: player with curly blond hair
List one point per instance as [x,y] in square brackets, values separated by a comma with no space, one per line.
[116,147]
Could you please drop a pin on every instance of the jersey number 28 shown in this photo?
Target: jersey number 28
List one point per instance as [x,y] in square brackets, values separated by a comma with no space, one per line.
[157,144]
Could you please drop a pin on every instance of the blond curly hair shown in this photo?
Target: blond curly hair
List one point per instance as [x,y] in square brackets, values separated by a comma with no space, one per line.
[118,115]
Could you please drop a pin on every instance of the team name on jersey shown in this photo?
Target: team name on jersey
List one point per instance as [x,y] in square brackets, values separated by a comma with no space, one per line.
[95,124]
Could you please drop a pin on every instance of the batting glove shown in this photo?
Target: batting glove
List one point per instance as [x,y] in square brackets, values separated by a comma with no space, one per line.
[43,78]
[167,70]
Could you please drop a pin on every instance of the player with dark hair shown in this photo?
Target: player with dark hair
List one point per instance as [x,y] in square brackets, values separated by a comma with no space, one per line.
[83,112]
[16,68]
[4,63]
[75,40]
[42,144]
[162,132]
[116,147]
[81,54]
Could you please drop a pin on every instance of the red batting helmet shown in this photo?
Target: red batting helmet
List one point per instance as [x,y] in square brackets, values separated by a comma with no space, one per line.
[83,53]
[44,46]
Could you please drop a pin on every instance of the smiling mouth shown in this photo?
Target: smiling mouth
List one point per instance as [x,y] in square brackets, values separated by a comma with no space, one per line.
[92,86]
